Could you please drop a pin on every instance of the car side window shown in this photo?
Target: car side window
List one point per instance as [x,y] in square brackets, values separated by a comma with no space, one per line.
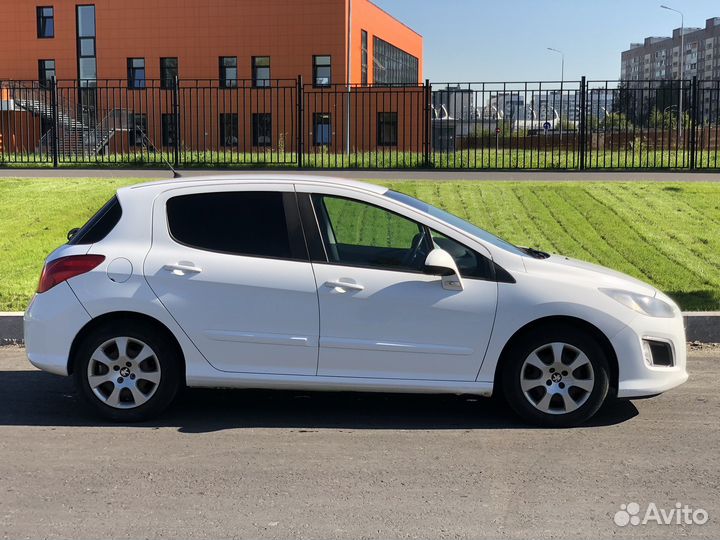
[469,262]
[249,223]
[361,234]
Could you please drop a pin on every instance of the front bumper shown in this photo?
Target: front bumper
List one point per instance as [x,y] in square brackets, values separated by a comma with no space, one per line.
[636,377]
[51,322]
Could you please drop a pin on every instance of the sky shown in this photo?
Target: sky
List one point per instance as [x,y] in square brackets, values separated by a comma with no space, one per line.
[507,40]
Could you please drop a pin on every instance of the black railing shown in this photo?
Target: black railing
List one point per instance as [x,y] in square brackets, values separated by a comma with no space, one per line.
[584,124]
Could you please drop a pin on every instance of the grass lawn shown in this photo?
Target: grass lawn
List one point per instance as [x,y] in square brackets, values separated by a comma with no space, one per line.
[665,233]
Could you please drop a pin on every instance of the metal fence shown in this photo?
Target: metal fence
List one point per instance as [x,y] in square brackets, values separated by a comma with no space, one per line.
[584,124]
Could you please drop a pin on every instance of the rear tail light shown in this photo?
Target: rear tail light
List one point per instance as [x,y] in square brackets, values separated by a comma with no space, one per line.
[64,268]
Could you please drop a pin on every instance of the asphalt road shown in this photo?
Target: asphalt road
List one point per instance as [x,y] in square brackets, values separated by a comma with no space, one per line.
[266,464]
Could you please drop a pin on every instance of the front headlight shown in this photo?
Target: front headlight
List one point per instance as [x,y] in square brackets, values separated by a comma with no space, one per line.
[647,305]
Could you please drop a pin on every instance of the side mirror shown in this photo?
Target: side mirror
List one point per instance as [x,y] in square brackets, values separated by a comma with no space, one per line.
[440,263]
[72,232]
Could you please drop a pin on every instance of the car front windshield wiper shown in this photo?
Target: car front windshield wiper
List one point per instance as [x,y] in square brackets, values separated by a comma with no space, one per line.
[536,253]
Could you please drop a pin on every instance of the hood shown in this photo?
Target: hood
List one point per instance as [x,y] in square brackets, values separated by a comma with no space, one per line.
[594,273]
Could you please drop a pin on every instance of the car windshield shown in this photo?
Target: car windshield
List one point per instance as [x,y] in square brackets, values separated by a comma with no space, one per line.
[453,220]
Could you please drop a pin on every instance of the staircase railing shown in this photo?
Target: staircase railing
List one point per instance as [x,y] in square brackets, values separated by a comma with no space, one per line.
[99,138]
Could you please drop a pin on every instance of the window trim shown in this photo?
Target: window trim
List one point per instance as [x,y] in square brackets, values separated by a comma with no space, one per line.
[267,83]
[40,18]
[315,124]
[314,71]
[78,50]
[174,124]
[235,129]
[165,83]
[364,55]
[293,222]
[132,141]
[46,82]
[397,129]
[132,82]
[223,81]
[255,135]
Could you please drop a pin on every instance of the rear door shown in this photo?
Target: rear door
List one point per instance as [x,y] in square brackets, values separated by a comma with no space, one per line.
[230,265]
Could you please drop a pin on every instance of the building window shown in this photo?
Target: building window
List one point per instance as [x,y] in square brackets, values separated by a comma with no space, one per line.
[46,72]
[322,71]
[137,134]
[262,129]
[261,71]
[169,129]
[87,66]
[228,129]
[393,65]
[322,134]
[45,21]
[136,72]
[228,71]
[364,57]
[168,72]
[387,129]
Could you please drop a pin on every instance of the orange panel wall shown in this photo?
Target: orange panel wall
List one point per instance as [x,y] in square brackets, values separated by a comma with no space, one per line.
[369,17]
[198,32]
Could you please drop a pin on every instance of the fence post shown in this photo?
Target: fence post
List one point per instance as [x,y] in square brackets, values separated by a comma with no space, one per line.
[54,112]
[427,123]
[176,121]
[693,121]
[583,121]
[299,146]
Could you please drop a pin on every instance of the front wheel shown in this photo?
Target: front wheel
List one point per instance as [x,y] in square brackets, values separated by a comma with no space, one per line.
[126,372]
[556,377]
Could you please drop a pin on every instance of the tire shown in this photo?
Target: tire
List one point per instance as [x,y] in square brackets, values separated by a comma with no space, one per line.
[130,386]
[555,376]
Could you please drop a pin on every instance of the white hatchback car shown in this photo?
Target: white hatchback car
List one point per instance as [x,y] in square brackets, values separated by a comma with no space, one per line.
[275,281]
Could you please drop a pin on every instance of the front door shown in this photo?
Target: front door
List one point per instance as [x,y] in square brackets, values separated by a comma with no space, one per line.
[380,315]
[230,265]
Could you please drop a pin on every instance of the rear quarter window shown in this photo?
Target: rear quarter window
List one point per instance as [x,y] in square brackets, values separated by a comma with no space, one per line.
[100,225]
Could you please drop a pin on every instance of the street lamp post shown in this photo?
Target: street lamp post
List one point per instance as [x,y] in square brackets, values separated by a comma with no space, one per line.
[562,80]
[682,68]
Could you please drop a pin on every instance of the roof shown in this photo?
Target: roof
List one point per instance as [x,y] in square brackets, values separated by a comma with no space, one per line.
[258,179]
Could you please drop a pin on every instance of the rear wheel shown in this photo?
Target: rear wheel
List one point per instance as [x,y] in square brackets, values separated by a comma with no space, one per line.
[556,377]
[126,372]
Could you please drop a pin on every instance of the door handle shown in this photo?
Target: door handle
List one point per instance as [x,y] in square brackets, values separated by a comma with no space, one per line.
[180,268]
[344,285]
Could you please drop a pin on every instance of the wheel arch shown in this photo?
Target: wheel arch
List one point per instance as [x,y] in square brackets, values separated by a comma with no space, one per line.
[117,316]
[565,321]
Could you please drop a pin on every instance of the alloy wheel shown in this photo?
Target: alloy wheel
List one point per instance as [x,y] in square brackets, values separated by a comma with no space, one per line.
[557,378]
[124,372]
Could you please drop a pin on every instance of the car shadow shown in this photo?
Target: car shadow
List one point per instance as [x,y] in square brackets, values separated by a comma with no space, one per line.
[34,398]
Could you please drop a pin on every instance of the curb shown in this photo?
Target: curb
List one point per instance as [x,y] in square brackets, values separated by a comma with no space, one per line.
[703,326]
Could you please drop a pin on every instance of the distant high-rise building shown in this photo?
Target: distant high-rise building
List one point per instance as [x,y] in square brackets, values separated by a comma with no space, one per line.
[658,58]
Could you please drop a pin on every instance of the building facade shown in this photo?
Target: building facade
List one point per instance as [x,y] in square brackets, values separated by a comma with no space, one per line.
[237,62]
[658,58]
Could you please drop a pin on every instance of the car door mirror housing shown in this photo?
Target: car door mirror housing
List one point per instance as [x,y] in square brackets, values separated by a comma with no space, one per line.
[440,263]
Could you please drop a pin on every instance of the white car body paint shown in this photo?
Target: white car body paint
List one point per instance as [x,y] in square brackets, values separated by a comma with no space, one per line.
[267,323]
